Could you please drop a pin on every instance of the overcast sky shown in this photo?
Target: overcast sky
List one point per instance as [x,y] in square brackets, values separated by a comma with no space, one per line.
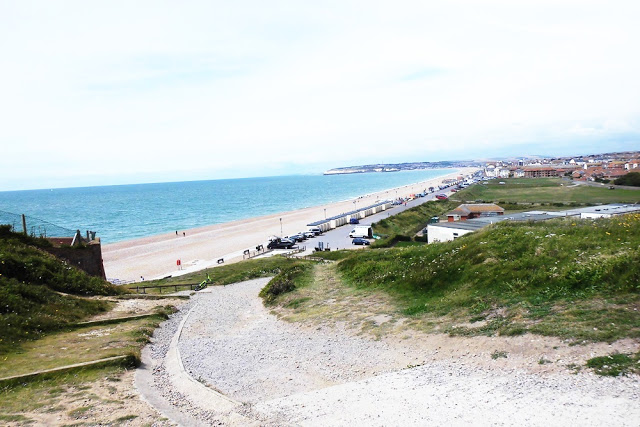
[113,92]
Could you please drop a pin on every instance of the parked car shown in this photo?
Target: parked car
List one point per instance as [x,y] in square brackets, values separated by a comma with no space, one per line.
[354,221]
[360,241]
[278,243]
[441,197]
[453,190]
[308,234]
[296,237]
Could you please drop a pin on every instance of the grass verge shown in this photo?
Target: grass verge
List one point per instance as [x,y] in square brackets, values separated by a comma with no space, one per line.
[544,191]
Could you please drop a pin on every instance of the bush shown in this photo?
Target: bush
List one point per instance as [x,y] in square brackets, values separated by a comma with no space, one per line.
[284,282]
[631,179]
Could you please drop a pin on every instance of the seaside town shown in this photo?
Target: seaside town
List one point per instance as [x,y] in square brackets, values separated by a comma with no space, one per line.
[285,214]
[595,167]
[507,234]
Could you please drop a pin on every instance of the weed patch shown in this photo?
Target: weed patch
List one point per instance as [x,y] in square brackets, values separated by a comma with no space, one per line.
[615,364]
[499,355]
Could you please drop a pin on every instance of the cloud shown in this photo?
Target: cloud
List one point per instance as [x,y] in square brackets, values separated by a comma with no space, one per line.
[156,89]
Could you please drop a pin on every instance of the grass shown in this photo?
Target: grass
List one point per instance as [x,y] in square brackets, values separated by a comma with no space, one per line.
[325,298]
[404,226]
[573,279]
[499,355]
[230,273]
[41,294]
[81,345]
[47,394]
[544,191]
[615,364]
[287,280]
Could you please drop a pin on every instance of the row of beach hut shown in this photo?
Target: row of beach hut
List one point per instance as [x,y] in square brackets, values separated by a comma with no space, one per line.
[344,218]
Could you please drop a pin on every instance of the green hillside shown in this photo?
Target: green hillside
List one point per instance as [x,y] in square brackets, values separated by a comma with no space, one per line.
[544,191]
[40,293]
[569,278]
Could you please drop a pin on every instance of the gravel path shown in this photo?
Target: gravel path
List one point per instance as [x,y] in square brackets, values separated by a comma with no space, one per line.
[287,374]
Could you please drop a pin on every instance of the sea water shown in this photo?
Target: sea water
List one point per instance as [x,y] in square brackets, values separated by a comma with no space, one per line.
[123,212]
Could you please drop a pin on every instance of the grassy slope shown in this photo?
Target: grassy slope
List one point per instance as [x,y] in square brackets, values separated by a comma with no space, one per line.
[230,273]
[544,190]
[577,279]
[39,293]
[404,226]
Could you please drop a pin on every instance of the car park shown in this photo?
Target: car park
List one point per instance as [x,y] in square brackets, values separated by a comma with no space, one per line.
[360,241]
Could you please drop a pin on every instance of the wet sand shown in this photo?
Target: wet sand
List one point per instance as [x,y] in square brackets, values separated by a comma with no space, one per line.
[156,256]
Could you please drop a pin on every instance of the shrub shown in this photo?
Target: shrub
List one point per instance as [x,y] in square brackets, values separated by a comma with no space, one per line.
[631,179]
[284,282]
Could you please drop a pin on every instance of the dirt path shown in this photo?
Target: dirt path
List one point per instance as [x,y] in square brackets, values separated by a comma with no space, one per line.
[315,374]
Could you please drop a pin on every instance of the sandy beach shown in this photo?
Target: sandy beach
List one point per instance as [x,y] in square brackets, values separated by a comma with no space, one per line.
[155,256]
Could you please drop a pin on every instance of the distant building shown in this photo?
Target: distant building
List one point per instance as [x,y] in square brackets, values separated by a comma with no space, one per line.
[542,172]
[503,173]
[475,210]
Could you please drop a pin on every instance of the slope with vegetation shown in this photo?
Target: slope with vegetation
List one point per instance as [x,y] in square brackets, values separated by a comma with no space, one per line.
[573,279]
[403,228]
[55,364]
[39,293]
[578,280]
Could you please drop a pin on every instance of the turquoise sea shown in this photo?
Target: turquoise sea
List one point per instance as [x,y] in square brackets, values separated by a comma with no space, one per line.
[123,212]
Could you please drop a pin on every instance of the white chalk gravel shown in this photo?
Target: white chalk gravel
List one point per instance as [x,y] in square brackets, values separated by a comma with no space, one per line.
[277,373]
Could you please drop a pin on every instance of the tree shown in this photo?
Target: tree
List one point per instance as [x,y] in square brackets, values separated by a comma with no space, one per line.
[632,179]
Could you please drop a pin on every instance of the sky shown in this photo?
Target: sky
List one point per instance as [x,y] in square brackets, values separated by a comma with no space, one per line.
[99,93]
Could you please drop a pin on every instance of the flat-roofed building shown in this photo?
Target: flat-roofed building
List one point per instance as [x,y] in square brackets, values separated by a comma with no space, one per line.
[474,210]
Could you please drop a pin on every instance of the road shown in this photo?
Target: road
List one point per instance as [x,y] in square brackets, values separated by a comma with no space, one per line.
[338,238]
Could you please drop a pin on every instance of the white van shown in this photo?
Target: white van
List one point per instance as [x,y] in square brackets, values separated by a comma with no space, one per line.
[315,230]
[362,231]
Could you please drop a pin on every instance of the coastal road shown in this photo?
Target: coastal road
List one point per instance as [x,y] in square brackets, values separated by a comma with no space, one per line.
[338,238]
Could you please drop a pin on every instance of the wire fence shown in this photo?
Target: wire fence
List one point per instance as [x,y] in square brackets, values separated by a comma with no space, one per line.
[36,227]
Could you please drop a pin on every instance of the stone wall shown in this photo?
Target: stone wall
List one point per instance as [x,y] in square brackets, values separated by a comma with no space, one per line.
[87,258]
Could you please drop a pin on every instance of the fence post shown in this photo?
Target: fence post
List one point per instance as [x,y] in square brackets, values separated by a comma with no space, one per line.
[24,224]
